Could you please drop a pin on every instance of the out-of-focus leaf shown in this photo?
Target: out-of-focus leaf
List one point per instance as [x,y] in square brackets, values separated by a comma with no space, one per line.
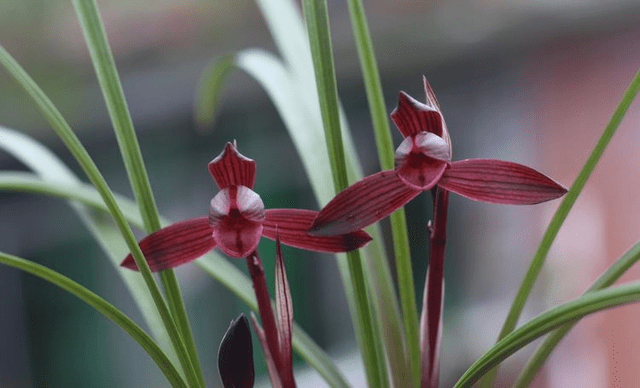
[209,89]
[57,179]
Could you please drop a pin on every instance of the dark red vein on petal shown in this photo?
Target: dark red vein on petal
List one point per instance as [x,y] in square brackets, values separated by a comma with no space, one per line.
[174,245]
[292,227]
[284,316]
[363,203]
[501,182]
[231,168]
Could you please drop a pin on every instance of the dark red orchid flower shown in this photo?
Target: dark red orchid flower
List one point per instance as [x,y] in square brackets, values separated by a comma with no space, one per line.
[236,222]
[423,161]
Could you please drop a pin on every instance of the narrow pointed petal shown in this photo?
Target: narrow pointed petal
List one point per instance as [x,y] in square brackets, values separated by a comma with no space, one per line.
[276,382]
[231,168]
[412,117]
[292,226]
[432,101]
[497,181]
[367,201]
[235,355]
[284,316]
[174,245]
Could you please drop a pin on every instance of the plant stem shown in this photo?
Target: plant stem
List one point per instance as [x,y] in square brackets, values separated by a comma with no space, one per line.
[431,320]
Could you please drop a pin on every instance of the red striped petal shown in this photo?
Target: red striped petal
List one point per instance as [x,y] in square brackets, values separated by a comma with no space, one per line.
[432,101]
[174,245]
[412,117]
[292,225]
[276,382]
[284,316]
[231,168]
[497,181]
[363,203]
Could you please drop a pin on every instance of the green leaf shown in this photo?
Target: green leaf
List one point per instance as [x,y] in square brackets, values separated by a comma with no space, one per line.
[213,263]
[55,175]
[561,214]
[209,89]
[589,303]
[103,307]
[81,155]
[399,366]
[613,273]
[369,335]
[105,67]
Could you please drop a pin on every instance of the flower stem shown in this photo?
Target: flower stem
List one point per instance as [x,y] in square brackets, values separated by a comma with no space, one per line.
[431,320]
[256,270]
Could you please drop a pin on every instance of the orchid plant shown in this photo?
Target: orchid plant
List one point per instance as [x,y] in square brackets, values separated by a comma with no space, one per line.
[397,348]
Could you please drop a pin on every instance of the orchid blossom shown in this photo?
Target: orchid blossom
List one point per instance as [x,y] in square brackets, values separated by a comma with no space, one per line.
[237,220]
[423,161]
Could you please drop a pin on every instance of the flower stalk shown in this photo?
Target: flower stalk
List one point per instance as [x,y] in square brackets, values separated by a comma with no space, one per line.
[433,302]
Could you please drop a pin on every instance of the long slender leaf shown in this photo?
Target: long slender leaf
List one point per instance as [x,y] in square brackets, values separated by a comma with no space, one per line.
[213,263]
[610,276]
[105,67]
[103,307]
[589,303]
[81,155]
[316,17]
[561,214]
[404,269]
[55,174]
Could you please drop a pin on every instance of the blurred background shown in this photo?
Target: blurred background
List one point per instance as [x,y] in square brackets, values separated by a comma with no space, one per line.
[533,82]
